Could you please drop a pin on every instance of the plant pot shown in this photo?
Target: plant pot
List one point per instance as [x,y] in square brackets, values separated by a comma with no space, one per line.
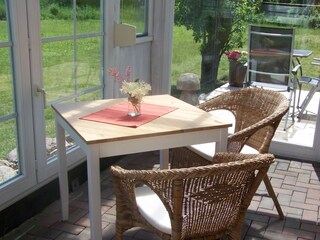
[237,72]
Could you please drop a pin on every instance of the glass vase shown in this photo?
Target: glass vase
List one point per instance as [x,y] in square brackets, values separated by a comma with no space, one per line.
[134,106]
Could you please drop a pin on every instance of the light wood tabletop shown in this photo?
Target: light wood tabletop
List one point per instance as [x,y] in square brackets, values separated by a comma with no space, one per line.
[184,126]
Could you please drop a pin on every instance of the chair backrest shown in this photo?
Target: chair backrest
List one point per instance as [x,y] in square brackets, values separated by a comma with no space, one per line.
[257,112]
[201,201]
[270,56]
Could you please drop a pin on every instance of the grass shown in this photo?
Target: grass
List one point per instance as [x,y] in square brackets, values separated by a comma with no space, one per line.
[58,65]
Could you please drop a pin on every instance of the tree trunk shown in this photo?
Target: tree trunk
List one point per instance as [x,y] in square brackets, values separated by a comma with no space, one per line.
[217,35]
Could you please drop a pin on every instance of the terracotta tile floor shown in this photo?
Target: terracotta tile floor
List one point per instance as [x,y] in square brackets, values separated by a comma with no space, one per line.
[296,183]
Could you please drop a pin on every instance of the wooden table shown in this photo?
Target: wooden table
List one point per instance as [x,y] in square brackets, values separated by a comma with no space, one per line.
[184,126]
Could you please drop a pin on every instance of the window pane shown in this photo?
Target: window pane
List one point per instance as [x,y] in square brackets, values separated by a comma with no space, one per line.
[88,17]
[9,152]
[56,18]
[135,12]
[8,149]
[6,84]
[58,69]
[3,22]
[88,63]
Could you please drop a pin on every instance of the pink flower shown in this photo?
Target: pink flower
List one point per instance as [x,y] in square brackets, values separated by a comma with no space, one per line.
[114,72]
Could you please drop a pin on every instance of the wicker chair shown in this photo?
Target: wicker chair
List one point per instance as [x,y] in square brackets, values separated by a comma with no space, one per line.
[189,203]
[257,113]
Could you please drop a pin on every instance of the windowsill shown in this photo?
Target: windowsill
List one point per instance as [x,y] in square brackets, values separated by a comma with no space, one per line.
[140,40]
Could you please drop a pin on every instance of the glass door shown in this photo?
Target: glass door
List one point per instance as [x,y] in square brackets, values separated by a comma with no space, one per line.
[17,156]
[71,56]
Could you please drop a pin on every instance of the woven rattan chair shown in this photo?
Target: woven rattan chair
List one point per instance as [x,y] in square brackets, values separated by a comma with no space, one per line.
[189,203]
[257,113]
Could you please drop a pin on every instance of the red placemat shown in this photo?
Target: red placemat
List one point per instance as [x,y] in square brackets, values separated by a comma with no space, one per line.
[118,114]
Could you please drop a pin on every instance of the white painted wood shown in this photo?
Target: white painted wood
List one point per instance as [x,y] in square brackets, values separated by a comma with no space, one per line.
[63,174]
[162,46]
[94,193]
[21,76]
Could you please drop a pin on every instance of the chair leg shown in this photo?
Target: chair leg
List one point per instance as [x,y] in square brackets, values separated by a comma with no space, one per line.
[272,194]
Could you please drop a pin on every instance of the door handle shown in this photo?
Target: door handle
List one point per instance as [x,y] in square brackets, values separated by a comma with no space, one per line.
[41,91]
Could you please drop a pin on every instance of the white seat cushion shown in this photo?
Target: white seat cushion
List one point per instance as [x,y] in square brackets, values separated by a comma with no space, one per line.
[207,150]
[152,209]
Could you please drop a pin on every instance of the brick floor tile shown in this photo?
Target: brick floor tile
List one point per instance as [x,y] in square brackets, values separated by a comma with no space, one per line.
[28,237]
[292,222]
[308,185]
[310,216]
[68,227]
[268,212]
[257,217]
[307,165]
[275,224]
[85,222]
[305,178]
[146,235]
[112,210]
[292,210]
[290,180]
[282,166]
[79,204]
[313,194]
[68,236]
[267,203]
[284,199]
[283,191]
[315,182]
[299,197]
[253,206]
[276,182]
[109,232]
[252,238]
[313,201]
[257,229]
[300,171]
[305,206]
[110,218]
[108,202]
[298,233]
[295,164]
[286,173]
[77,214]
[310,227]
[294,188]
[256,198]
[276,175]
[46,220]
[279,236]
[44,232]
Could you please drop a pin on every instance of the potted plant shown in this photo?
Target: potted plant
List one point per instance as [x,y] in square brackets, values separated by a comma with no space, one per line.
[237,68]
[135,89]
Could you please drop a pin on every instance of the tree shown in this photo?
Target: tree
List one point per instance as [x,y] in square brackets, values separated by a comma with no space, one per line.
[218,25]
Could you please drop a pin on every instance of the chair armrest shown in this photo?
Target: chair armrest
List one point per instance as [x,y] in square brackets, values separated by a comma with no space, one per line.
[237,140]
[295,69]
[229,157]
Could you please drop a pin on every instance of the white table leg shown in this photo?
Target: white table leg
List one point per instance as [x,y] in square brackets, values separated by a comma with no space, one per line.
[63,173]
[221,144]
[164,159]
[94,191]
